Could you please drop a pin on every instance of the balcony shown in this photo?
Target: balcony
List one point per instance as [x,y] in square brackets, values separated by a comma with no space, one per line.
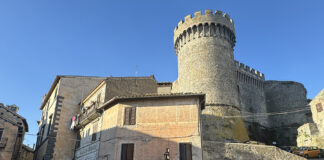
[89,114]
[3,142]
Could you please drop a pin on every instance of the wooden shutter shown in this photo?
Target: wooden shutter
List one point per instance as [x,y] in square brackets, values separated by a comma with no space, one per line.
[188,151]
[182,151]
[130,116]
[133,116]
[185,151]
[124,152]
[127,152]
[127,116]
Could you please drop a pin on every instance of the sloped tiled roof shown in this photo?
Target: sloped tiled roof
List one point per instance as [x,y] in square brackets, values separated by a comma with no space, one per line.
[149,96]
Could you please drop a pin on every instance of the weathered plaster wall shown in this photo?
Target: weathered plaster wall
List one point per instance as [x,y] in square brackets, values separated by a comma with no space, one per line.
[89,147]
[160,124]
[289,98]
[308,135]
[164,88]
[124,86]
[317,108]
[74,90]
[312,134]
[93,97]
[240,151]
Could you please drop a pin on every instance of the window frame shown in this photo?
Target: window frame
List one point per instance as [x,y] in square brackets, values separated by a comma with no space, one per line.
[130,116]
[124,151]
[1,133]
[184,146]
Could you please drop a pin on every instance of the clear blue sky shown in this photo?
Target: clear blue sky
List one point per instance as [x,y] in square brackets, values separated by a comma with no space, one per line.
[40,39]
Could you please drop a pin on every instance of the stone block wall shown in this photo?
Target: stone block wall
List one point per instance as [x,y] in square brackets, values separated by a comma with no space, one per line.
[73,90]
[287,109]
[240,151]
[204,47]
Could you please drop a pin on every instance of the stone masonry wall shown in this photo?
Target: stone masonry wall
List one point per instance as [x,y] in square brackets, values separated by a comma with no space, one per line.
[11,142]
[289,99]
[204,47]
[240,151]
[252,101]
[10,133]
[73,90]
[124,86]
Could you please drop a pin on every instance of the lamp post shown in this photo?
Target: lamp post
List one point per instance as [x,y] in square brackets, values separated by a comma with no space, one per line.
[167,154]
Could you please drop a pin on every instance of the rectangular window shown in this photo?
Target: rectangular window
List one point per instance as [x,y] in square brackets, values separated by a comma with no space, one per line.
[98,99]
[94,131]
[130,116]
[20,131]
[185,151]
[127,152]
[42,132]
[1,132]
[50,124]
[78,142]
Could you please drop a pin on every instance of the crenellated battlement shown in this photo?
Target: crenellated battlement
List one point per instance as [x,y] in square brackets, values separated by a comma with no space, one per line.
[208,25]
[248,75]
[247,69]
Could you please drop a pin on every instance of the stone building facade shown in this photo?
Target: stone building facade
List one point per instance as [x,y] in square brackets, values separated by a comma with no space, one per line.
[26,153]
[90,119]
[12,132]
[157,122]
[55,139]
[239,105]
[312,134]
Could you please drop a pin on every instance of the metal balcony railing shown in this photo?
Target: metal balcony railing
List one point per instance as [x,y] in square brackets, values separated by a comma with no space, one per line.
[91,113]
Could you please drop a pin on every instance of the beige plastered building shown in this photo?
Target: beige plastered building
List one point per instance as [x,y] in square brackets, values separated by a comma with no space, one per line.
[312,134]
[161,122]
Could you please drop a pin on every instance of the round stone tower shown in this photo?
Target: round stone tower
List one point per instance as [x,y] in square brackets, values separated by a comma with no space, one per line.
[204,47]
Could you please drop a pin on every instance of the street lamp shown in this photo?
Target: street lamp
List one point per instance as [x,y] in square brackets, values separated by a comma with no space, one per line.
[167,154]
